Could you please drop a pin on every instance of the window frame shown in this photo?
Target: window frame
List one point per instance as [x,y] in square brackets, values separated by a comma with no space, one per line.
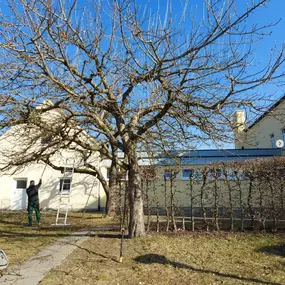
[21,179]
[187,177]
[170,171]
[214,172]
[166,177]
[64,191]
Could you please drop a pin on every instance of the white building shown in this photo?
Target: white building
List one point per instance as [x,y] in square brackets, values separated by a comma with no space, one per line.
[85,190]
[23,141]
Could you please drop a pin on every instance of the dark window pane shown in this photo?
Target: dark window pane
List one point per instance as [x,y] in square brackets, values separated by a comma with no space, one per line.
[187,173]
[167,174]
[219,172]
[66,185]
[21,184]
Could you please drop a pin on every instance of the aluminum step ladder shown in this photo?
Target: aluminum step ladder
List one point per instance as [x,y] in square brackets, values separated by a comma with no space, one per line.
[64,193]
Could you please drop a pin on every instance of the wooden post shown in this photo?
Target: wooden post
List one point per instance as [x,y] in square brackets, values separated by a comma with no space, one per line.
[183,224]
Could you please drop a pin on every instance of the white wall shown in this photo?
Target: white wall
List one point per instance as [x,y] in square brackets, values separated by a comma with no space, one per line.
[83,186]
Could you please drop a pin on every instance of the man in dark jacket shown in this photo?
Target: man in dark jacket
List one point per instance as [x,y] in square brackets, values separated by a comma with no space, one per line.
[33,201]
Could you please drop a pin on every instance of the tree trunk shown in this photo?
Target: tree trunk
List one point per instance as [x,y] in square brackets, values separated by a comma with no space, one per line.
[112,196]
[111,203]
[136,222]
[202,194]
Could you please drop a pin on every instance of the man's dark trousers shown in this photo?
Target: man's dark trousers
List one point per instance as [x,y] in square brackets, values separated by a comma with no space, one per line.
[34,205]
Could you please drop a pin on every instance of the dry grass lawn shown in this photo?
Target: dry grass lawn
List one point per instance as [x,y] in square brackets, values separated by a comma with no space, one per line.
[183,259]
[20,242]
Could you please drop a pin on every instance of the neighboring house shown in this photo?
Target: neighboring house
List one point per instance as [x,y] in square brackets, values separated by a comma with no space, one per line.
[184,163]
[264,131]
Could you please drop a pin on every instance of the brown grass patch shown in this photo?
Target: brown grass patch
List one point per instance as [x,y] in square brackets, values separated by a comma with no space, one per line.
[20,242]
[198,259]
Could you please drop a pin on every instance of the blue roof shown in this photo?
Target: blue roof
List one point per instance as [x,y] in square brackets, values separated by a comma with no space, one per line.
[202,157]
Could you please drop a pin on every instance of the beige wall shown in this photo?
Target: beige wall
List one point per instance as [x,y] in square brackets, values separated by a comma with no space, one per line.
[272,123]
[159,196]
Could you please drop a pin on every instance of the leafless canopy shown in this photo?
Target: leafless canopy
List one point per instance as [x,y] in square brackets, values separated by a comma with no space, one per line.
[126,76]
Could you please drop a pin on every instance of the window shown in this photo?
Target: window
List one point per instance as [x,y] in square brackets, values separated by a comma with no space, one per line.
[108,172]
[231,174]
[197,175]
[65,185]
[213,173]
[187,173]
[169,174]
[219,172]
[194,174]
[21,184]
[272,140]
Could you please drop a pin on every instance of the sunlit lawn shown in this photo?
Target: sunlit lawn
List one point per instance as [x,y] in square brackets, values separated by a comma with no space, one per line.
[21,242]
[222,258]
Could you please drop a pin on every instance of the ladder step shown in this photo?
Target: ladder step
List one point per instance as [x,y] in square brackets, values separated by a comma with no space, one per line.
[64,192]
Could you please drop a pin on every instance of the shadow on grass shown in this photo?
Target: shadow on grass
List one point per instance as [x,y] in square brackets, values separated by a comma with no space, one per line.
[278,250]
[161,259]
[95,253]
[107,235]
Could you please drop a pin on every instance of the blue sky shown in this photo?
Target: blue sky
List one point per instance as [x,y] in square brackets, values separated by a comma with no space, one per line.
[273,12]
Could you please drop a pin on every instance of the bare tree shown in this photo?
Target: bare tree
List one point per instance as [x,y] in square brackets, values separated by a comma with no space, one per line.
[124,75]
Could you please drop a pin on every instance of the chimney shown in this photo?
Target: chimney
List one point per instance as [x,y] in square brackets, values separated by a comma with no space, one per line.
[238,121]
[238,125]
